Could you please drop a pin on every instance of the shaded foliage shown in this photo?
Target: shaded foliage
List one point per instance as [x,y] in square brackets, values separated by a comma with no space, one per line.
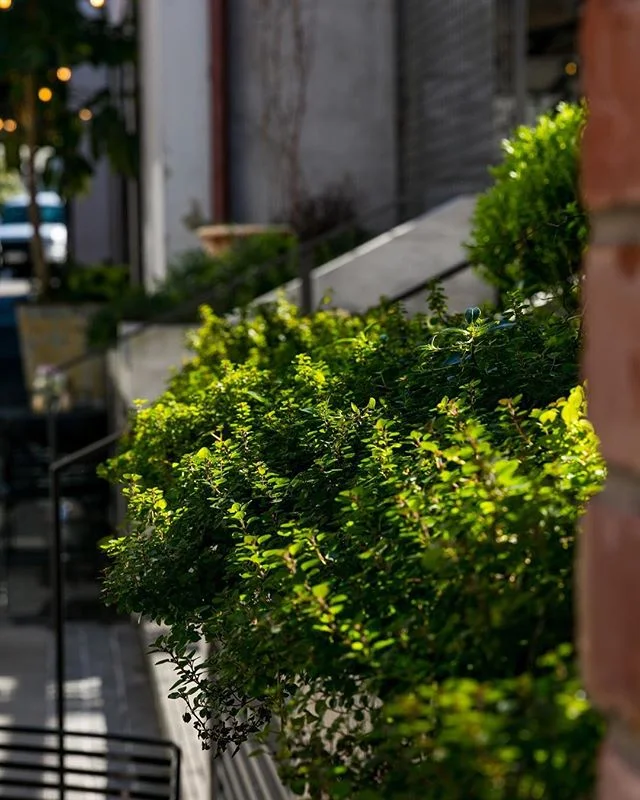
[250,268]
[530,229]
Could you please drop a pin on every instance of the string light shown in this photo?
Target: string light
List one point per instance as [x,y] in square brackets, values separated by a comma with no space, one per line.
[97,3]
[571,68]
[5,5]
[10,125]
[63,74]
[45,94]
[85,114]
[1,124]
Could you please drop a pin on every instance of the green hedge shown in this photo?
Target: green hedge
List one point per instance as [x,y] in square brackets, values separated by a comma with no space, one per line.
[350,509]
[530,229]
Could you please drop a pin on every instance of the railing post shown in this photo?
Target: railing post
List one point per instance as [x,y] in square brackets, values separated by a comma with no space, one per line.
[520,56]
[57,585]
[609,590]
[56,468]
[305,266]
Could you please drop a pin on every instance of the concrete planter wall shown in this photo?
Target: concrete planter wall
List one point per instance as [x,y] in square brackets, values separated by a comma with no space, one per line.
[399,260]
[140,367]
[51,335]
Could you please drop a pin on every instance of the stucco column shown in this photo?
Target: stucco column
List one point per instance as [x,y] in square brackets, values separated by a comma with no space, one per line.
[609,569]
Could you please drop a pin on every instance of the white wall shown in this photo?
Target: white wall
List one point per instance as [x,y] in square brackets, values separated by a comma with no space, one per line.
[349,128]
[176,131]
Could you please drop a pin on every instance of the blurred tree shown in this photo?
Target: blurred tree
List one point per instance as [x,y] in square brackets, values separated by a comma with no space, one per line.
[10,182]
[41,43]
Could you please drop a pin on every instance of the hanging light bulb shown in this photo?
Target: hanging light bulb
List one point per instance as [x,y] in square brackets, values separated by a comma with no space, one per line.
[5,5]
[45,94]
[97,3]
[63,74]
[10,125]
[85,114]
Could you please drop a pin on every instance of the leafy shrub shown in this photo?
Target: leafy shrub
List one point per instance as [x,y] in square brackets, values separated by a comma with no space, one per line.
[10,182]
[379,545]
[530,229]
[95,283]
[252,266]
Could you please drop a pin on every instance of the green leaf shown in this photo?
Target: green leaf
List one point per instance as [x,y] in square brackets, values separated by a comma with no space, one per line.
[320,591]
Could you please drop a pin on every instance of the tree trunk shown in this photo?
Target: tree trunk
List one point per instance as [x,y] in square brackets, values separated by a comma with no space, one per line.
[40,266]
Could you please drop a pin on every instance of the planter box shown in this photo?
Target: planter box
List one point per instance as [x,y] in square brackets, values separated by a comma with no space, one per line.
[51,335]
[216,239]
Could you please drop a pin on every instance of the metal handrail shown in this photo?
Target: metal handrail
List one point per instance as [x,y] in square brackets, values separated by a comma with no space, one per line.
[136,767]
[305,250]
[56,468]
[442,276]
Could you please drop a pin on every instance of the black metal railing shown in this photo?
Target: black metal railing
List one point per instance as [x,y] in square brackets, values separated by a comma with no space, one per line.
[97,765]
[386,215]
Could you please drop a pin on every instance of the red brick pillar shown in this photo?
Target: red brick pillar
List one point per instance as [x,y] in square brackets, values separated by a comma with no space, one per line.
[609,569]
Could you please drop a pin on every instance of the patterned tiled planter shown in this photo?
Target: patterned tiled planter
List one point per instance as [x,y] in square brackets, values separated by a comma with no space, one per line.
[53,334]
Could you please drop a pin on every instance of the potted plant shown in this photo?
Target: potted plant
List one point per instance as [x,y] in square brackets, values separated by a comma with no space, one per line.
[217,239]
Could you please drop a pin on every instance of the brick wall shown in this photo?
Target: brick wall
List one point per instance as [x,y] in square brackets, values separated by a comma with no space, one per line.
[609,590]
[446,67]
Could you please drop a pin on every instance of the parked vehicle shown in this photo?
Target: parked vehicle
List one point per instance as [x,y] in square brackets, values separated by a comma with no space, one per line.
[16,231]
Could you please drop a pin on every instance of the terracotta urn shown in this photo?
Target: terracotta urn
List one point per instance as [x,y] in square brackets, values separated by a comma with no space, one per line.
[216,239]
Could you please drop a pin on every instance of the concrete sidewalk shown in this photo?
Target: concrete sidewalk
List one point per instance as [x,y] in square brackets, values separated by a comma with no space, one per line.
[107,686]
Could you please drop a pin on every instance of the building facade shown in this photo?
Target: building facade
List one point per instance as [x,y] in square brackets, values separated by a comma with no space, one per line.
[249,105]
[309,92]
